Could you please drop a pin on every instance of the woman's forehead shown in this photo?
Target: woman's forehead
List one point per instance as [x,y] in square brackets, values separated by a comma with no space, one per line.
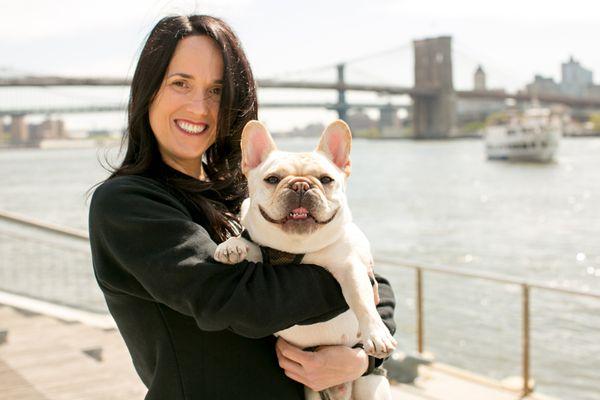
[197,57]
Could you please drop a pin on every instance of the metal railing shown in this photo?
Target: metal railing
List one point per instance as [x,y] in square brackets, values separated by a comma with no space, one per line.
[47,262]
[34,223]
[525,286]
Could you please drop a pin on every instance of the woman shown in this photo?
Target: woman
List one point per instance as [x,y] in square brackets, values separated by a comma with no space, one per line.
[197,329]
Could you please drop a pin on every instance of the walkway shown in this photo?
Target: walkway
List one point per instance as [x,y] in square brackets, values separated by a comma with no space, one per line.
[44,358]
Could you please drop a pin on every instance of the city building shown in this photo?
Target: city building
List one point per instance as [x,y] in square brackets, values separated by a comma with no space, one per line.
[24,134]
[543,85]
[592,91]
[360,122]
[479,79]
[575,78]
[476,110]
[575,81]
[47,129]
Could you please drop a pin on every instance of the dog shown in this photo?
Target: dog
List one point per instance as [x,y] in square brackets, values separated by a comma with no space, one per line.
[297,205]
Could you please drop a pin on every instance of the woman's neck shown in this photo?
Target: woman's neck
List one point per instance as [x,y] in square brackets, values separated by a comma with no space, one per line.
[193,169]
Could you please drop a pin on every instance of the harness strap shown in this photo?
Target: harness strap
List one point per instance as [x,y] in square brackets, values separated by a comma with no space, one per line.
[273,256]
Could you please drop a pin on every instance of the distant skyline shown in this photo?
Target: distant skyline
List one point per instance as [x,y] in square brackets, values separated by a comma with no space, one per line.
[513,40]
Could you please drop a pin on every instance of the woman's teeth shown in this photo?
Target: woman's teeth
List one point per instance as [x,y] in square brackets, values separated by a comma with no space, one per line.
[191,128]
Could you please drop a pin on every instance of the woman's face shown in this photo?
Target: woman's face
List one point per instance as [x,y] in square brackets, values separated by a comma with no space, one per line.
[184,113]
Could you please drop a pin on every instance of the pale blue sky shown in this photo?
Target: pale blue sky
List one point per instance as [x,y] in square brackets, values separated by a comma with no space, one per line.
[514,39]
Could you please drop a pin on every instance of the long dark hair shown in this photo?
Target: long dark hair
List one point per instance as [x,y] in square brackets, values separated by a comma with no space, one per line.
[217,200]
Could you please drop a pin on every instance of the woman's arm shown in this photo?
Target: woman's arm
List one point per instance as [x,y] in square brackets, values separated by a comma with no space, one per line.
[145,244]
[333,365]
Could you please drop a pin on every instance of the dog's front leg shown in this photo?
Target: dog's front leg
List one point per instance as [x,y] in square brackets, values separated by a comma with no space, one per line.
[358,293]
[237,249]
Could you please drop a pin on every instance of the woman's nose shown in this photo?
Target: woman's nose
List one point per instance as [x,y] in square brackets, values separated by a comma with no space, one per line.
[198,105]
[200,102]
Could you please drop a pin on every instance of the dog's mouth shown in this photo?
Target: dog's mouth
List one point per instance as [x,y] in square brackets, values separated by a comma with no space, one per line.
[297,215]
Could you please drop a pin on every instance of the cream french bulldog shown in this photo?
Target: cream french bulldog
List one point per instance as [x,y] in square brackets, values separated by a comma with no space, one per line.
[298,205]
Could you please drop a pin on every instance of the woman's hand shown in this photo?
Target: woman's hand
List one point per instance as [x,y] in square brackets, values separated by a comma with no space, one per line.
[321,369]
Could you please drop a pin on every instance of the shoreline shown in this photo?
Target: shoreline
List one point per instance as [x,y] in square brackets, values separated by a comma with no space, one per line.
[52,144]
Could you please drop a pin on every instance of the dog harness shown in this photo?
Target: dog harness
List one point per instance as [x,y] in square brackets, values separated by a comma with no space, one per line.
[274,256]
[277,257]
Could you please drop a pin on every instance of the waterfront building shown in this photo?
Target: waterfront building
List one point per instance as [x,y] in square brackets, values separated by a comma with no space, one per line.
[479,79]
[575,81]
[24,134]
[19,131]
[575,78]
[592,91]
[47,129]
[477,110]
[542,84]
[360,122]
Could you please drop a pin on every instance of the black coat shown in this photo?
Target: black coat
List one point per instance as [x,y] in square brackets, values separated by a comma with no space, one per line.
[197,329]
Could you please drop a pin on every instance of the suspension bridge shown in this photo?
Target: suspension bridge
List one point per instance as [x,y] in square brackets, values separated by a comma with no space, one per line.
[432,106]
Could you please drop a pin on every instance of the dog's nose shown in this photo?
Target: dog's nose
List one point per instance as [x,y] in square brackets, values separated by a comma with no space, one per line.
[300,185]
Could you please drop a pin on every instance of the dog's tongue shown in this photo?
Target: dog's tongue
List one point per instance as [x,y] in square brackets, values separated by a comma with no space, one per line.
[299,213]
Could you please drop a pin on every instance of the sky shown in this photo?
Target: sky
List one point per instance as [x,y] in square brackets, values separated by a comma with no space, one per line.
[512,39]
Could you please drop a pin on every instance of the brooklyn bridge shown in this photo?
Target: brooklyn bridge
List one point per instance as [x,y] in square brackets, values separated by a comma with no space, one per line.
[432,107]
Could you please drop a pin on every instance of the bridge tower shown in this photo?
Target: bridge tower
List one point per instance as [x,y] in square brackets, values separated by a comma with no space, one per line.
[342,106]
[434,115]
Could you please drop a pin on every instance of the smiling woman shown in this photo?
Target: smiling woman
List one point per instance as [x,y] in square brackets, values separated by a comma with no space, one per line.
[195,328]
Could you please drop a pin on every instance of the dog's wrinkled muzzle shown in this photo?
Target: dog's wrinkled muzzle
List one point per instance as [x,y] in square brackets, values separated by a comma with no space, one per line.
[300,185]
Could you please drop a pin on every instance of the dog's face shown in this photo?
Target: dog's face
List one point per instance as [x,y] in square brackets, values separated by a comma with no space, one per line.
[296,193]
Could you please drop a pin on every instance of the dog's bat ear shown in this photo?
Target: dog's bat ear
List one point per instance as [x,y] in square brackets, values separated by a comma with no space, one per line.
[256,144]
[335,143]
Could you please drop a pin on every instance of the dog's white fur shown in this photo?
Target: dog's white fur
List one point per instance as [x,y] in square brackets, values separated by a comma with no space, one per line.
[338,245]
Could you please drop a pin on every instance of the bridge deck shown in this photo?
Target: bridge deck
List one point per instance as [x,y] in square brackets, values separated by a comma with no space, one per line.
[43,358]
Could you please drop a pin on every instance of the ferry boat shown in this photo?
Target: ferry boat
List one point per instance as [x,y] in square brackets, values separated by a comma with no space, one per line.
[532,135]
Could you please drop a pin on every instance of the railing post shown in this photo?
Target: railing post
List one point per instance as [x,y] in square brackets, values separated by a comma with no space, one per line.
[420,332]
[525,304]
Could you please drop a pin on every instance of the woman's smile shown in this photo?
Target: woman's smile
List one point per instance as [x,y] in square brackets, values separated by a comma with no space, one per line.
[191,128]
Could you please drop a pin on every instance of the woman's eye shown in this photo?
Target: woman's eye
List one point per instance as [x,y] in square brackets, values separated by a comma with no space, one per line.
[180,84]
[326,179]
[216,91]
[273,180]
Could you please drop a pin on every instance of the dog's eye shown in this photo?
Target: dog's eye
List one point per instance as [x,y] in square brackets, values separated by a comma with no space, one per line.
[326,179]
[273,180]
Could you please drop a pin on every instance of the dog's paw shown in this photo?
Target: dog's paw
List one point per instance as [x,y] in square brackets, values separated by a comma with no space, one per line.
[377,340]
[231,251]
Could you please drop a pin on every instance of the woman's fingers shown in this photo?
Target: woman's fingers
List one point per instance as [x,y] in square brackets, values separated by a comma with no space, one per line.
[287,364]
[294,353]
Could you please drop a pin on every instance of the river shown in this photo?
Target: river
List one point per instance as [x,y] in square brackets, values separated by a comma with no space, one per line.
[441,203]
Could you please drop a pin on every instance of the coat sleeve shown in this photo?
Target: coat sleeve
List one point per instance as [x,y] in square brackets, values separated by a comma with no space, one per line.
[387,303]
[385,308]
[145,244]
